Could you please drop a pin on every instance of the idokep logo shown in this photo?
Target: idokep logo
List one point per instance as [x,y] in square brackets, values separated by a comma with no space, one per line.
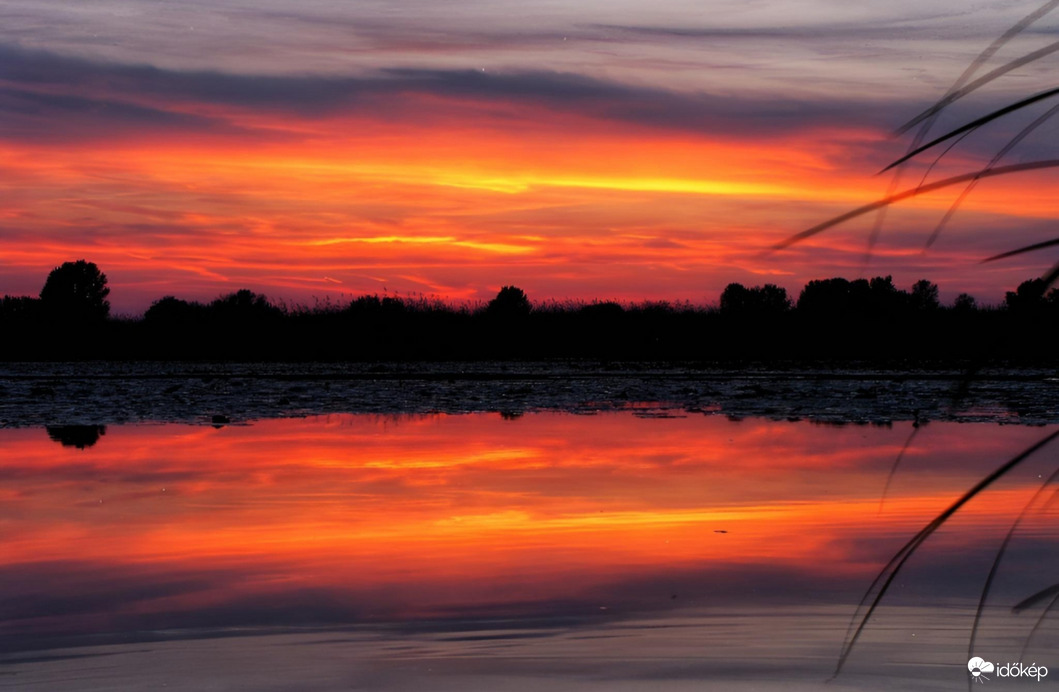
[978,667]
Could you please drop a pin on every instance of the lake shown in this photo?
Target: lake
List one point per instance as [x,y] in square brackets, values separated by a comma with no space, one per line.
[618,550]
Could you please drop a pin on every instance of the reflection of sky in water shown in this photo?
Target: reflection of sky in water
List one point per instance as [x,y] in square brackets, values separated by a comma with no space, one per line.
[549,526]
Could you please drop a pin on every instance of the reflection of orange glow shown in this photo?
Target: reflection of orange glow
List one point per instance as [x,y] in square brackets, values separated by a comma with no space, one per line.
[355,502]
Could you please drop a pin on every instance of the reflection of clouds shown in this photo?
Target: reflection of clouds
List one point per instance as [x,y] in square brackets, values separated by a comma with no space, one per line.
[346,518]
[773,648]
[76,598]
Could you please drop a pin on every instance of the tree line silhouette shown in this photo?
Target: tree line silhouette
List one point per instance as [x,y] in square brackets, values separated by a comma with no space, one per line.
[832,319]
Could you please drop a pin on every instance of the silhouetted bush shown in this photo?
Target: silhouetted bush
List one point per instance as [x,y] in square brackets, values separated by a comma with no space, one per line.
[20,309]
[602,310]
[242,307]
[175,312]
[510,301]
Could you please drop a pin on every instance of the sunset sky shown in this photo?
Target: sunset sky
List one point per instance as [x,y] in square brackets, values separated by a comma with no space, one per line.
[579,150]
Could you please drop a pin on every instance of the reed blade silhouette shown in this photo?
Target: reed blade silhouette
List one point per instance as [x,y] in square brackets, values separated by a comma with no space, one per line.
[995,567]
[930,169]
[1050,277]
[1040,619]
[1004,151]
[1022,250]
[1036,598]
[965,84]
[961,88]
[897,462]
[868,604]
[914,192]
[974,125]
[953,96]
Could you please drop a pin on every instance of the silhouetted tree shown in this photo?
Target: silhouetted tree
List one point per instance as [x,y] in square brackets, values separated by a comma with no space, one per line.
[925,295]
[773,299]
[76,291]
[734,299]
[964,303]
[861,297]
[825,296]
[1028,297]
[882,285]
[883,297]
[510,301]
[769,300]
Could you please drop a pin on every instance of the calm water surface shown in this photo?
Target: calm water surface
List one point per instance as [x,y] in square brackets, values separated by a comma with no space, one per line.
[480,552]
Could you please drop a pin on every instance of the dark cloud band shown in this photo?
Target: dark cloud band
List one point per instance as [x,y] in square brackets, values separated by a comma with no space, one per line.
[46,95]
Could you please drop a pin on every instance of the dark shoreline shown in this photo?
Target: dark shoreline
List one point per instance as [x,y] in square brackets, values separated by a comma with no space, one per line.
[109,393]
[833,321]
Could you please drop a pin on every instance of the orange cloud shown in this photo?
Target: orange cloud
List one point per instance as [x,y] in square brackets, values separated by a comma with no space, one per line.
[570,187]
